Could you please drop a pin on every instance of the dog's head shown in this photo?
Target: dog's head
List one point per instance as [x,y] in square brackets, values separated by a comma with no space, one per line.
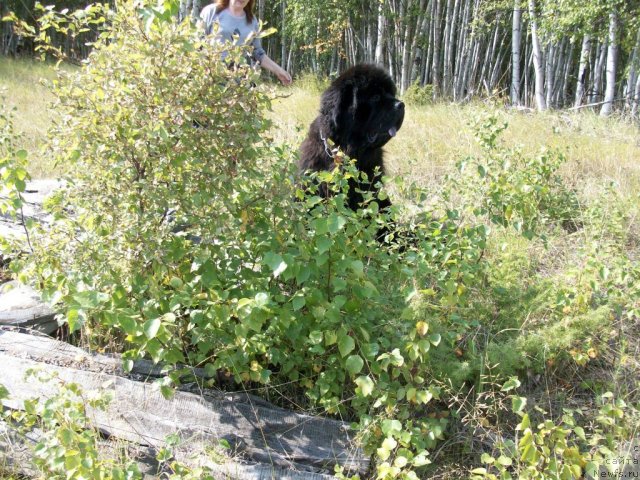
[361,109]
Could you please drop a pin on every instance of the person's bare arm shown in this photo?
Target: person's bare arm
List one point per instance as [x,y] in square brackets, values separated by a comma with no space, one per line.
[277,70]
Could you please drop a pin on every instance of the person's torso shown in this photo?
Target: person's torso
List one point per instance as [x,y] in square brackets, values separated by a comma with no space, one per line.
[231,28]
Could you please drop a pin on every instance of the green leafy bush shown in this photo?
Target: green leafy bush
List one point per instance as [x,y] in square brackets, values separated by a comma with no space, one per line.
[570,448]
[417,95]
[69,447]
[13,176]
[183,236]
[178,238]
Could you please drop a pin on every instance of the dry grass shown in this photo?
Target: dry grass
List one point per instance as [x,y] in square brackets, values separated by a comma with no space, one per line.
[21,83]
[431,140]
[434,137]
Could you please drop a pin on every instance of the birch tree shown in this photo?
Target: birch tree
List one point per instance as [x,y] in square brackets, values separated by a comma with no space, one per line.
[537,59]
[612,62]
[516,37]
[585,53]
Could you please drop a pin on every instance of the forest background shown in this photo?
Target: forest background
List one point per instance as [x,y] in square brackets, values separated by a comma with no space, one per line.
[534,53]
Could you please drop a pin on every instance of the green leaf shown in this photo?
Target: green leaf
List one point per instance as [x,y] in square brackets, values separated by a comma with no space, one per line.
[315,337]
[298,303]
[389,443]
[390,427]
[335,223]
[330,337]
[167,392]
[354,364]
[510,384]
[90,299]
[323,244]
[357,267]
[261,300]
[518,404]
[4,393]
[275,262]
[346,344]
[365,385]
[151,328]
[479,471]
[127,365]
[486,458]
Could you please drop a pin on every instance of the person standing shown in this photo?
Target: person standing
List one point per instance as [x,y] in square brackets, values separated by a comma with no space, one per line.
[236,23]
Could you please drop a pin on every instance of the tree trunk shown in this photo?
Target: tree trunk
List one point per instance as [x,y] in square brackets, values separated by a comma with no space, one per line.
[585,53]
[283,52]
[537,59]
[636,98]
[516,36]
[564,91]
[463,51]
[449,59]
[379,41]
[414,52]
[446,67]
[435,67]
[634,63]
[612,60]
[549,71]
[597,77]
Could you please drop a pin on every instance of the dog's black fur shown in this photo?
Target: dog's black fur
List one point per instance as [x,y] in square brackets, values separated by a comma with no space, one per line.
[359,113]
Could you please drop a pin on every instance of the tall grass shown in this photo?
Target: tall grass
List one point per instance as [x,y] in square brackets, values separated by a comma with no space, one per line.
[431,140]
[434,137]
[22,85]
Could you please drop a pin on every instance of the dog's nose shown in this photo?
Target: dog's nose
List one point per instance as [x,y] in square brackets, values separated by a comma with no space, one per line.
[399,105]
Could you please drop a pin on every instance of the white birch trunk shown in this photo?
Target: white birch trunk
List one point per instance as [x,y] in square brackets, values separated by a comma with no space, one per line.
[464,50]
[405,67]
[435,68]
[634,64]
[612,60]
[548,74]
[379,41]
[415,50]
[565,77]
[516,37]
[537,59]
[636,98]
[283,52]
[585,53]
[449,66]
[597,77]
[446,71]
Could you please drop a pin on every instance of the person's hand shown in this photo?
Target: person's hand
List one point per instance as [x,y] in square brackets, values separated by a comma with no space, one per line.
[283,76]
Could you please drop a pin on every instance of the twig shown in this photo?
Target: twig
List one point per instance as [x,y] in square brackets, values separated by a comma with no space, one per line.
[282,96]
[596,104]
[24,224]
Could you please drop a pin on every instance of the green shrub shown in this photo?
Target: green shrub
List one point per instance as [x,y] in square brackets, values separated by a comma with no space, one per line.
[570,448]
[179,238]
[184,237]
[68,447]
[13,175]
[311,82]
[417,95]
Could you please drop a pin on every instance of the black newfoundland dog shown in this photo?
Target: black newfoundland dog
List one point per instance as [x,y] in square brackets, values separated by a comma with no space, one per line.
[359,113]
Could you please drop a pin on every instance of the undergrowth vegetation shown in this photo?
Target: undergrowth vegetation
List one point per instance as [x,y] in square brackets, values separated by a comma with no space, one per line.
[184,236]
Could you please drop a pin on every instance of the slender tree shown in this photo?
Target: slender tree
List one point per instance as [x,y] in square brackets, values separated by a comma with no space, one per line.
[537,59]
[516,37]
[612,63]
